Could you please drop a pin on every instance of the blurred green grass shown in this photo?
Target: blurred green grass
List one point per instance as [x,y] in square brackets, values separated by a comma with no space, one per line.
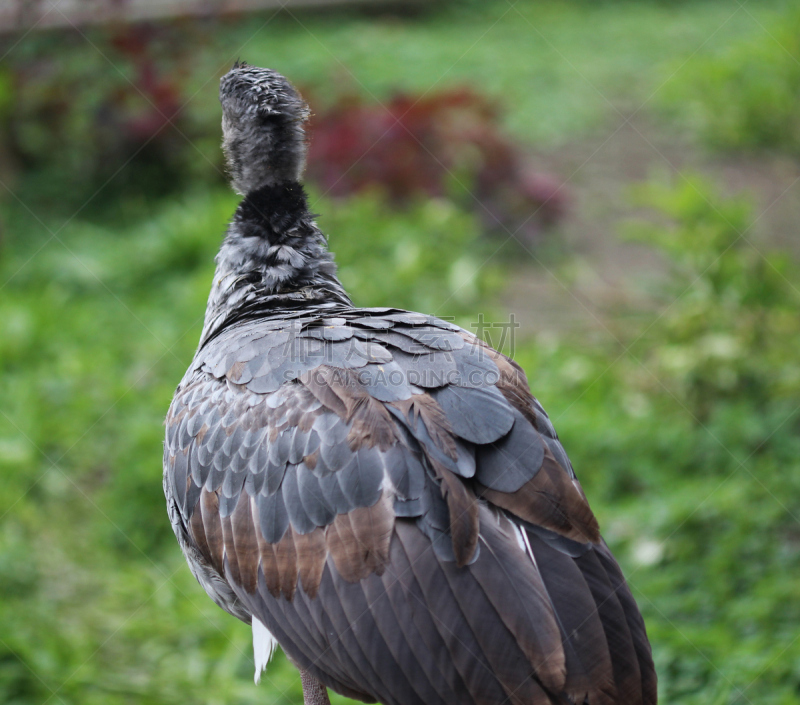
[684,433]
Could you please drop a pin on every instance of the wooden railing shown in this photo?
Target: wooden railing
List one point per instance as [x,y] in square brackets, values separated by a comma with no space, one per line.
[27,14]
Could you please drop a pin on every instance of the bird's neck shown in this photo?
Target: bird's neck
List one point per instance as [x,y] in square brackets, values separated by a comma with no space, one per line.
[274,257]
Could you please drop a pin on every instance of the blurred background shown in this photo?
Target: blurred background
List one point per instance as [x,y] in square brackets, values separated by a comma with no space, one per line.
[607,189]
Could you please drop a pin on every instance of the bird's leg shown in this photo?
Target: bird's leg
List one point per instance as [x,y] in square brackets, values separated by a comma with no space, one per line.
[314,693]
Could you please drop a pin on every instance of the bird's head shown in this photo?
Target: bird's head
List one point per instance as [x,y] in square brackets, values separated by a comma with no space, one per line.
[262,128]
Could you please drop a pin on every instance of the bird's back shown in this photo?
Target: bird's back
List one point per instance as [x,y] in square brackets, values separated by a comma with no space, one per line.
[382,492]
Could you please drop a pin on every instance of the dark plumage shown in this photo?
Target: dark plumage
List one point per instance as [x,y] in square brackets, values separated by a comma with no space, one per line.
[376,489]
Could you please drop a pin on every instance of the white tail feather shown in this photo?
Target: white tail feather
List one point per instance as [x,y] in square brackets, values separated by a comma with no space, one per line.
[264,645]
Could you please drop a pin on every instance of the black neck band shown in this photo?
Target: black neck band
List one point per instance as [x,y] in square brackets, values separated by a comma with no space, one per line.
[276,207]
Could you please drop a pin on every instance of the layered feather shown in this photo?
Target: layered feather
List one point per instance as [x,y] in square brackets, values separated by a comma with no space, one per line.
[381,491]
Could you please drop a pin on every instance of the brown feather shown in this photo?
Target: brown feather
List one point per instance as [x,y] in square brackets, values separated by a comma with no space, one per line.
[372,530]
[201,434]
[341,391]
[550,499]
[509,665]
[269,563]
[446,611]
[462,505]
[372,425]
[311,554]
[316,382]
[198,534]
[624,660]
[230,550]
[635,624]
[299,415]
[245,542]
[286,560]
[590,674]
[344,549]
[514,586]
[359,541]
[426,407]
[513,385]
[235,371]
[173,418]
[209,508]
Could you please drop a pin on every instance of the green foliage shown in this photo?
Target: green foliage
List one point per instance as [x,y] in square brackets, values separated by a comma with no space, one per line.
[428,257]
[728,327]
[686,440]
[748,95]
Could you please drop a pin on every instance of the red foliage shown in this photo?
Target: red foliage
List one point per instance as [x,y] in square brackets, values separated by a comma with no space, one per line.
[111,114]
[159,96]
[413,146]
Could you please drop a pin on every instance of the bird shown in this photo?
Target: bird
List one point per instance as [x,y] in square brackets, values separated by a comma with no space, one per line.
[375,490]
